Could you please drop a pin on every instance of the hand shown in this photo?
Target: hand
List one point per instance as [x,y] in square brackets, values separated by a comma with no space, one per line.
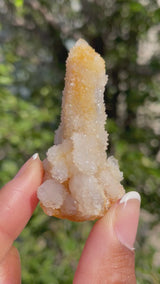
[108,256]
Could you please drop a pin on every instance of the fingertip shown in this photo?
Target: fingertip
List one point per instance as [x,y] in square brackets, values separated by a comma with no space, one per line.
[18,200]
[108,253]
[127,218]
[33,165]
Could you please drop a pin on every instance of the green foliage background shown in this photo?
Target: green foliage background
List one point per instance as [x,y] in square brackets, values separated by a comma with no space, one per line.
[35,37]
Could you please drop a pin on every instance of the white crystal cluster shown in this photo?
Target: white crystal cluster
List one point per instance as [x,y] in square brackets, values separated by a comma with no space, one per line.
[80,183]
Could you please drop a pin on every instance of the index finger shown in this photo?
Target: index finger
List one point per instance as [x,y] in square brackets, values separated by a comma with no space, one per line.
[18,200]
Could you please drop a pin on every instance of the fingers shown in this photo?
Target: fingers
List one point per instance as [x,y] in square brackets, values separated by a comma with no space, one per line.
[18,200]
[108,256]
[10,268]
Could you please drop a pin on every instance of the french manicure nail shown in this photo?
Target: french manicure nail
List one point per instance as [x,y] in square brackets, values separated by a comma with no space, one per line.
[26,165]
[130,195]
[35,156]
[127,217]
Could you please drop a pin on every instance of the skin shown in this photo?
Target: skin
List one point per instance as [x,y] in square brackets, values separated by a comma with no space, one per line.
[105,258]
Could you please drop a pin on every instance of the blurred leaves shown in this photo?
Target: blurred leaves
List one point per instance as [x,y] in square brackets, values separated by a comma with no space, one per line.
[34,40]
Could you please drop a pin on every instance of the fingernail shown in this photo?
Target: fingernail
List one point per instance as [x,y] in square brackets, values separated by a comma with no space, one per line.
[35,156]
[127,217]
[26,165]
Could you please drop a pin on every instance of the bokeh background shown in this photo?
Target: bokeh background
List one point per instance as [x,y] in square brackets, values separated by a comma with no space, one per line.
[35,37]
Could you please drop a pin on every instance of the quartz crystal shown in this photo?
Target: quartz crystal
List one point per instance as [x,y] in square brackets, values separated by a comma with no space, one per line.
[80,182]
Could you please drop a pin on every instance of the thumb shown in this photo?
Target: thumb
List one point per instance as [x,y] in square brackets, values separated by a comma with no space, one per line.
[108,256]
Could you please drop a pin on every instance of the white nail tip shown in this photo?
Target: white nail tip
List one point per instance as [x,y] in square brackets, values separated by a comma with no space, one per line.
[35,156]
[130,195]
